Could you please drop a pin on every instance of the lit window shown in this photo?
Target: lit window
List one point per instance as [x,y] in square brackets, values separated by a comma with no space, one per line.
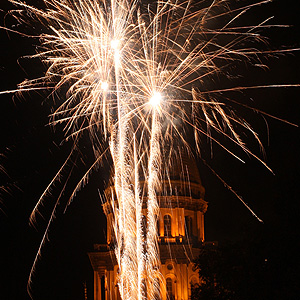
[167,225]
[169,287]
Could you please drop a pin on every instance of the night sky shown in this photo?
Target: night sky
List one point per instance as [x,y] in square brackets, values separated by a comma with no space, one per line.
[31,152]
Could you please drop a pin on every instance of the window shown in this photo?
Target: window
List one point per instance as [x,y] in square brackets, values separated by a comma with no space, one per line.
[157,225]
[167,225]
[188,226]
[103,286]
[169,287]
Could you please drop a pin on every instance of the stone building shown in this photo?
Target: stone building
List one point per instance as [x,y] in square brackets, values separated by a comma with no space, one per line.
[180,235]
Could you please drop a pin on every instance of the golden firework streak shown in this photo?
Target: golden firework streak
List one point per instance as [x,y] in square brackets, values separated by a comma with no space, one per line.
[136,73]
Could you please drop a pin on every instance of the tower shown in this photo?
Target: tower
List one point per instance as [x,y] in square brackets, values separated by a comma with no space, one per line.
[180,226]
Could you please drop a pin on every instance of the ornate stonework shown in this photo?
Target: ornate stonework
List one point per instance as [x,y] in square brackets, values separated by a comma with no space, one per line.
[180,235]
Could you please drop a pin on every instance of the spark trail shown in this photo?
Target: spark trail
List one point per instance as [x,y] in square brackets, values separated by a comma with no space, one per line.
[135,72]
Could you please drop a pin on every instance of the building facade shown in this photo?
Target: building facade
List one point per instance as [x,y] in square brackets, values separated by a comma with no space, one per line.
[180,228]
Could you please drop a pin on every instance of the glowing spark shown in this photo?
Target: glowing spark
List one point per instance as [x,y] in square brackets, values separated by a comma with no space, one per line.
[155,99]
[104,86]
[168,46]
[115,44]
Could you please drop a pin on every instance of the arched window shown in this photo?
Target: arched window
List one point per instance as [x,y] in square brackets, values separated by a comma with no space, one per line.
[157,225]
[169,288]
[167,225]
[103,286]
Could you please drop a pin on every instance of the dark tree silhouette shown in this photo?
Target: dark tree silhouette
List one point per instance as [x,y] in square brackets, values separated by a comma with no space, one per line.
[259,267]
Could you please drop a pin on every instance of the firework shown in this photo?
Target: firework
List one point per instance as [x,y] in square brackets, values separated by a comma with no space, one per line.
[135,73]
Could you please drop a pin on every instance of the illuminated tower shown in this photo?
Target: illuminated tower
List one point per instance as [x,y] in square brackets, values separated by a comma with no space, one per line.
[180,231]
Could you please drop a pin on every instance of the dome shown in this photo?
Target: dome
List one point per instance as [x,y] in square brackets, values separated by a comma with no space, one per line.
[180,174]
[181,165]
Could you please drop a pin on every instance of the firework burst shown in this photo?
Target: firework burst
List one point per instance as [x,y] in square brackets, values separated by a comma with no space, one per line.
[135,72]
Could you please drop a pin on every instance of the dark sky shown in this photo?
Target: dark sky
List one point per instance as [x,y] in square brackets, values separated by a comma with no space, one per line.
[30,153]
